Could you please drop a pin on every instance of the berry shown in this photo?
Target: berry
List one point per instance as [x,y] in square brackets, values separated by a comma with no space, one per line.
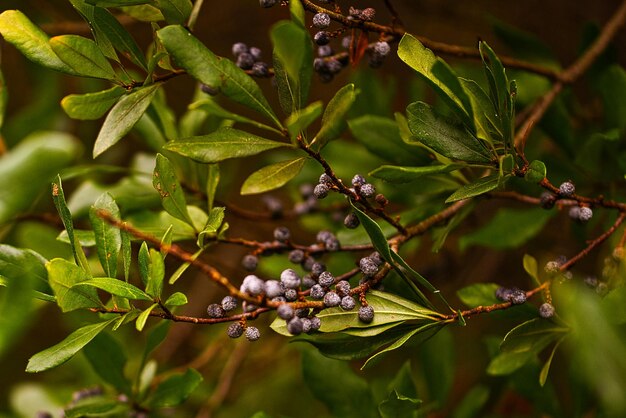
[296,256]
[333,66]
[235,330]
[273,289]
[367,14]
[239,48]
[229,303]
[375,256]
[546,310]
[260,69]
[306,325]
[256,53]
[324,51]
[308,281]
[302,312]
[345,42]
[591,281]
[517,296]
[250,262]
[358,180]
[290,279]
[574,212]
[347,303]
[551,267]
[375,61]
[282,233]
[382,49]
[253,285]
[215,311]
[332,244]
[331,299]
[567,189]
[267,3]
[317,292]
[285,311]
[291,295]
[366,314]
[245,61]
[273,205]
[342,288]
[325,179]
[279,299]
[321,20]
[367,190]
[302,208]
[503,294]
[320,191]
[316,323]
[210,90]
[252,334]
[294,326]
[317,269]
[547,200]
[308,262]
[326,279]
[368,266]
[585,214]
[351,221]
[321,38]
[306,190]
[249,307]
[323,236]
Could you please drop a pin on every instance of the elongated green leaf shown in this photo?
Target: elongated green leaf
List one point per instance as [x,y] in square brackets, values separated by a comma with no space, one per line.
[156,273]
[143,317]
[175,11]
[222,144]
[485,117]
[108,237]
[506,363]
[176,299]
[509,228]
[97,406]
[122,117]
[83,56]
[4,97]
[213,179]
[63,351]
[478,294]
[107,358]
[272,176]
[447,77]
[211,107]
[183,267]
[422,60]
[396,174]
[31,41]
[206,67]
[91,105]
[175,389]
[545,369]
[293,49]
[62,276]
[126,254]
[533,335]
[299,120]
[87,11]
[213,224]
[115,287]
[333,120]
[499,89]
[441,135]
[170,191]
[480,186]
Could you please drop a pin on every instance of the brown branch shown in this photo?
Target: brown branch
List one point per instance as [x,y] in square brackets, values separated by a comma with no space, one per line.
[189,319]
[428,223]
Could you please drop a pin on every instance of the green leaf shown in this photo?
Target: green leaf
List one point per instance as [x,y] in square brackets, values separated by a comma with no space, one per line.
[91,105]
[422,60]
[438,364]
[211,107]
[300,120]
[176,299]
[398,406]
[122,117]
[545,369]
[213,224]
[441,135]
[107,358]
[446,75]
[31,41]
[332,382]
[170,191]
[117,3]
[155,337]
[272,176]
[397,174]
[472,403]
[143,12]
[478,294]
[213,179]
[222,144]
[536,172]
[480,186]
[183,267]
[97,406]
[63,351]
[156,273]
[108,237]
[485,117]
[293,49]
[115,287]
[509,228]
[83,56]
[62,276]
[175,11]
[297,12]
[143,317]
[175,389]
[530,266]
[4,97]
[214,71]
[500,91]
[508,362]
[333,120]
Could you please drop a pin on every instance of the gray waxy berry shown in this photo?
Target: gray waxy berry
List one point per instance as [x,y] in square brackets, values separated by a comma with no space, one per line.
[308,262]
[326,279]
[333,66]
[567,189]
[345,42]
[260,69]
[367,190]
[321,191]
[296,256]
[282,233]
[316,323]
[547,200]
[321,20]
[358,180]
[306,325]
[376,258]
[317,268]
[245,61]
[382,48]
[324,51]
[368,266]
[351,221]
[342,288]
[546,310]
[252,334]
[368,13]
[331,299]
[215,311]
[517,296]
[323,236]
[285,311]
[574,212]
[503,294]
[291,295]
[308,281]
[585,214]
[267,3]
[229,303]
[347,303]
[250,262]
[317,292]
[239,48]
[274,205]
[321,38]
[273,289]
[332,244]
[279,299]
[325,179]
[256,53]
[366,314]
[253,285]
[551,267]
[235,330]
[302,312]
[290,279]
[294,326]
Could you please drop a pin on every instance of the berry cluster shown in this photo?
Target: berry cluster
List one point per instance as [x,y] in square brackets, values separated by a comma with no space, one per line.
[250,59]
[514,295]
[359,187]
[580,213]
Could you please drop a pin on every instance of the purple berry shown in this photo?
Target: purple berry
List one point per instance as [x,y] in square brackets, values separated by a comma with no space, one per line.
[342,288]
[547,200]
[306,325]
[503,294]
[308,281]
[324,51]
[517,296]
[321,20]
[585,214]
[368,266]
[325,179]
[250,262]
[358,180]
[296,256]
[256,53]
[285,311]
[351,221]
[290,279]
[215,311]
[260,69]
[267,3]
[546,310]
[367,190]
[317,269]
[229,303]
[273,289]
[317,292]
[235,330]
[366,314]
[282,233]
[347,303]
[245,61]
[567,189]
[239,48]
[252,334]
[321,37]
[382,49]
[316,323]
[253,285]
[331,299]
[320,191]
[291,295]
[294,326]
